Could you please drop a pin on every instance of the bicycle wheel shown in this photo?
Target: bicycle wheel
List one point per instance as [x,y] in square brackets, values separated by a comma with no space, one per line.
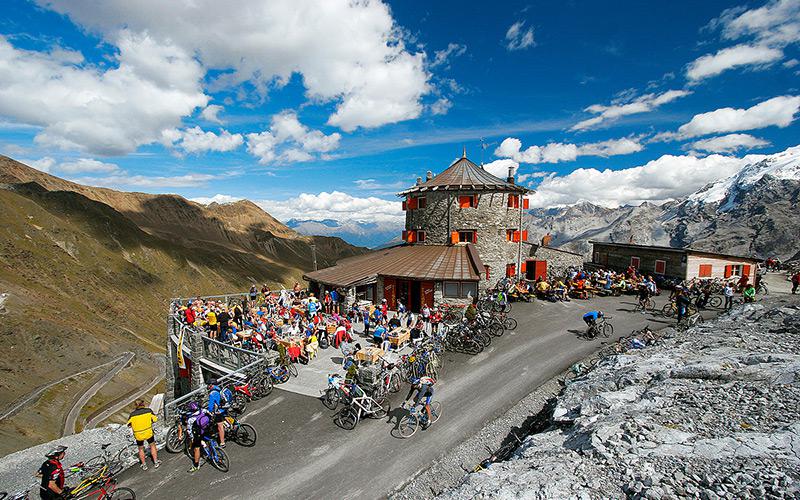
[292,369]
[265,387]
[219,459]
[94,464]
[497,329]
[608,330]
[394,383]
[715,301]
[122,493]
[381,409]
[668,310]
[246,435]
[173,444]
[330,398]
[651,305]
[436,411]
[408,425]
[346,418]
[284,377]
[239,404]
[510,324]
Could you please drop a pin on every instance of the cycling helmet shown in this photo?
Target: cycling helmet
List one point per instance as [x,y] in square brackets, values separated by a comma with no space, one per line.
[193,406]
[599,314]
[212,383]
[56,451]
[414,380]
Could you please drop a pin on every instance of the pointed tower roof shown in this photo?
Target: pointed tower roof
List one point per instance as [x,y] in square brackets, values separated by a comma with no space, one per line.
[463,175]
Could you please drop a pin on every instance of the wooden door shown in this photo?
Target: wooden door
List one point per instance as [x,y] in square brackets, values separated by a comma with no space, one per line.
[540,269]
[427,293]
[390,292]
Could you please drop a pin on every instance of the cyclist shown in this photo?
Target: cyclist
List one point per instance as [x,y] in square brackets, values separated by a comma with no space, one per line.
[199,426]
[591,318]
[52,474]
[644,294]
[424,389]
[218,407]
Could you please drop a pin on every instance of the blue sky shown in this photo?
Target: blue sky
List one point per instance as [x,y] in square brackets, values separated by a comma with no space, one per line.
[327,109]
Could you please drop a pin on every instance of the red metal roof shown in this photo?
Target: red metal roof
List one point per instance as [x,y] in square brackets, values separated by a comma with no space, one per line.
[422,262]
[463,175]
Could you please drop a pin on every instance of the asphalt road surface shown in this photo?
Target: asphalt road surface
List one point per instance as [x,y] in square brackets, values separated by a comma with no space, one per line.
[301,453]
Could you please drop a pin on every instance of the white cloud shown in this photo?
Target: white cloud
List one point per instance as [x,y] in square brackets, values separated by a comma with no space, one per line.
[45,164]
[666,178]
[211,113]
[336,205]
[442,57]
[728,143]
[778,111]
[196,140]
[791,63]
[300,141]
[627,105]
[86,166]
[499,168]
[518,38]
[101,111]
[776,23]
[441,106]
[556,152]
[222,199]
[740,55]
[124,180]
[349,53]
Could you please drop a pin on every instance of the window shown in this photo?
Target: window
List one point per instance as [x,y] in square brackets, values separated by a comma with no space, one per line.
[468,201]
[411,236]
[511,270]
[487,271]
[422,202]
[460,289]
[513,201]
[705,271]
[733,270]
[661,267]
[421,236]
[635,262]
[526,203]
[411,203]
[467,237]
[510,234]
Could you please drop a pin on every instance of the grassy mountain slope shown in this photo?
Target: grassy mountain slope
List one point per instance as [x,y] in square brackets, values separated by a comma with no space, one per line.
[88,272]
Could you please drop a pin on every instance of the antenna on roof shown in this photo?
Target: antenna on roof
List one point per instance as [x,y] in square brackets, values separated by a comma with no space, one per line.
[464,155]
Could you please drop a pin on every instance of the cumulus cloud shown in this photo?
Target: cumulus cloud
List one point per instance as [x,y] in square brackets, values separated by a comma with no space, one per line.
[740,55]
[499,168]
[555,152]
[441,106]
[299,142]
[221,199]
[348,53]
[110,112]
[666,178]
[45,164]
[86,166]
[124,180]
[211,113]
[627,105]
[779,111]
[443,57]
[728,143]
[336,205]
[196,140]
[518,38]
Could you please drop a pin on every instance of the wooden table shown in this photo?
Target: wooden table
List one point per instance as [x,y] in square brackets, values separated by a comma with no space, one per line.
[399,337]
[371,354]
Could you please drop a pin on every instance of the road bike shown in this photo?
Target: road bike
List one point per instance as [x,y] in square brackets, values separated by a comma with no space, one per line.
[101,486]
[670,309]
[418,417]
[647,304]
[359,407]
[114,462]
[600,327]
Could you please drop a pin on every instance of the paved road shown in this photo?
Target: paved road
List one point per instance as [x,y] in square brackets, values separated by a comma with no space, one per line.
[302,454]
[75,412]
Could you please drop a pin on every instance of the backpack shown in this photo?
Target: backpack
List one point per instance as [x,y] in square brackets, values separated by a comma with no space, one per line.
[227,395]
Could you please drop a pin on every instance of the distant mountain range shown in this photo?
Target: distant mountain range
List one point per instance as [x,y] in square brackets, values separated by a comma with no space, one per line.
[754,212]
[359,233]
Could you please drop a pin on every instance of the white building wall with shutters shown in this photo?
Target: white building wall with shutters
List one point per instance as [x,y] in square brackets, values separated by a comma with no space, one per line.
[718,265]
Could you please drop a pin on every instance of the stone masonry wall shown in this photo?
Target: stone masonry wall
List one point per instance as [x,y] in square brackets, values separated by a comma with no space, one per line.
[491,218]
[557,261]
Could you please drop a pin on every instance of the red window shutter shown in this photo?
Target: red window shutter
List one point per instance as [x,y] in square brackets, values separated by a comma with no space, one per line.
[746,270]
[509,234]
[524,238]
[412,236]
[526,203]
[511,270]
[475,237]
[523,267]
[474,200]
[516,236]
[405,207]
[454,237]
[412,203]
[487,271]
[728,271]
[421,236]
[405,236]
[705,271]
[464,201]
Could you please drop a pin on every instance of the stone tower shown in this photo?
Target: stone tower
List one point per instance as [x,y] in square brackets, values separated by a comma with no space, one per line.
[466,204]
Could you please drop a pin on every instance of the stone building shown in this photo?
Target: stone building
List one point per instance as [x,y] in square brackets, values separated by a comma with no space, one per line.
[556,261]
[463,232]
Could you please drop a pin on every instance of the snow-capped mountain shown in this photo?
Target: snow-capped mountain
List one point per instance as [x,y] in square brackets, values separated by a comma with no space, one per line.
[753,212]
[359,233]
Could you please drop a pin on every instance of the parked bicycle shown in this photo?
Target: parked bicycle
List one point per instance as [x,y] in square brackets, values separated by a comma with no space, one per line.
[101,485]
[360,405]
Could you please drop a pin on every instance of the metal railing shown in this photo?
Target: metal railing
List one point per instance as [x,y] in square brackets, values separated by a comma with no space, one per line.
[226,355]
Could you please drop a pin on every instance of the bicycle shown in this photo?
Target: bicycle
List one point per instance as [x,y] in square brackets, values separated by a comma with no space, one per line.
[414,419]
[670,309]
[214,454]
[647,304]
[359,407]
[115,464]
[600,327]
[240,433]
[105,488]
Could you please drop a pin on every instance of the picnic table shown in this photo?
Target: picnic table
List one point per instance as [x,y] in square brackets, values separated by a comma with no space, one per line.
[399,337]
[371,354]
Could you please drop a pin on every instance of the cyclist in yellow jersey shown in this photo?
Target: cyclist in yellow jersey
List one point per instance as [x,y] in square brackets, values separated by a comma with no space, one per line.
[141,423]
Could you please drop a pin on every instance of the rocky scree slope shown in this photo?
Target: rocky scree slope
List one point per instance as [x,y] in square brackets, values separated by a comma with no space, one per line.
[85,274]
[709,413]
[753,212]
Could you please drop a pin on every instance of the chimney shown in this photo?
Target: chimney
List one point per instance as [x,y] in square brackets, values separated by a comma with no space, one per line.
[429,175]
[510,178]
[419,181]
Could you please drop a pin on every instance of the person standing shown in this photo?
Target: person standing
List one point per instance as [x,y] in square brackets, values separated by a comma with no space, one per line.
[141,423]
[795,282]
[682,302]
[52,474]
[728,293]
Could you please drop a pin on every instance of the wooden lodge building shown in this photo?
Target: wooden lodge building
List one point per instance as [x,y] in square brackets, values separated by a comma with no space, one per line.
[682,263]
[463,232]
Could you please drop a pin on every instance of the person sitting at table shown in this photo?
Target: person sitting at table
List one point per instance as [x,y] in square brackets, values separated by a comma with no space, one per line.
[394,323]
[416,332]
[560,290]
[312,345]
[340,335]
[379,334]
[542,289]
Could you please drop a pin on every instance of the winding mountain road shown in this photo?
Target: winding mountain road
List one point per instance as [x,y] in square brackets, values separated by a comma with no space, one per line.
[301,453]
